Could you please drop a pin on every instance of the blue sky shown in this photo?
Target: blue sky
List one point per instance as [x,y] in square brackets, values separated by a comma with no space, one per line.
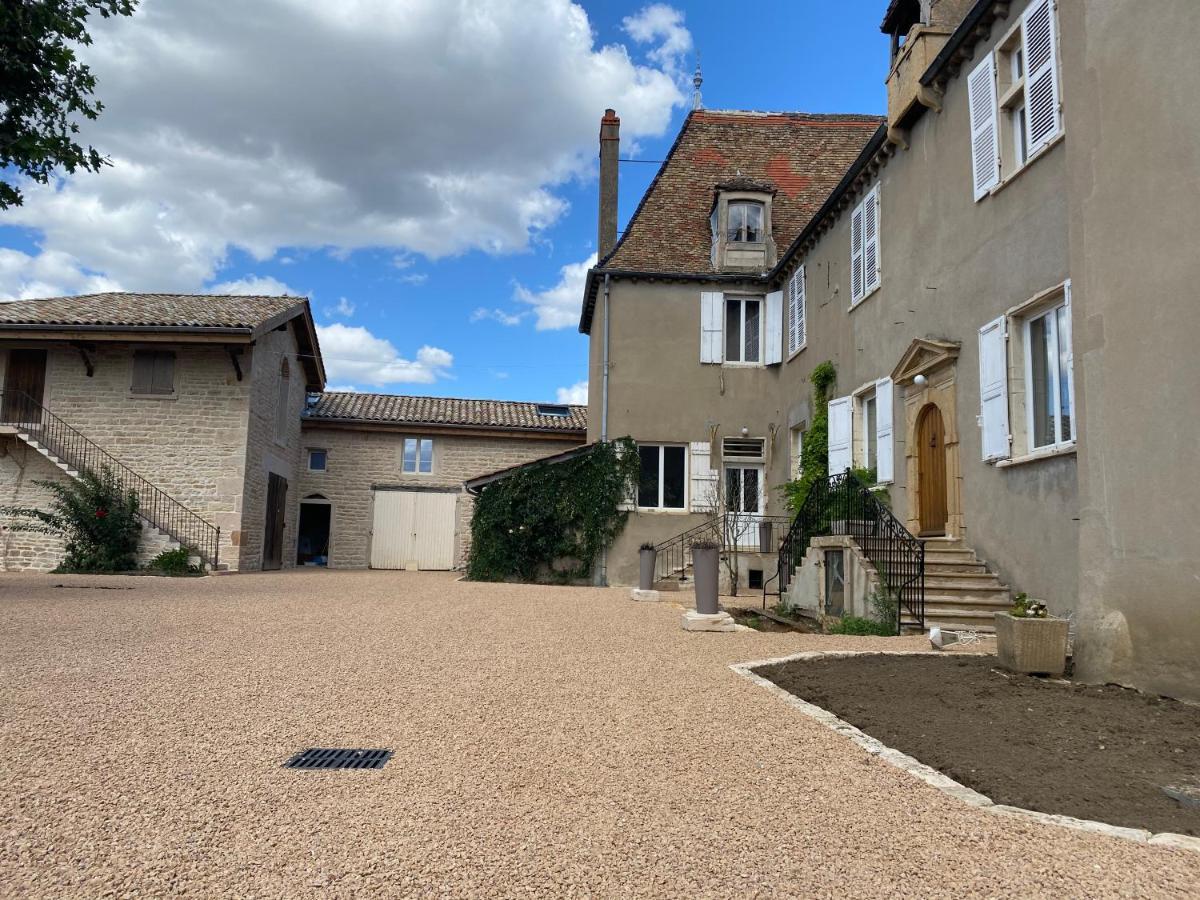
[432,195]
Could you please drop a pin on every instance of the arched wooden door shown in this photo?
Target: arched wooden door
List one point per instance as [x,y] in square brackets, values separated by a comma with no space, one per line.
[931,471]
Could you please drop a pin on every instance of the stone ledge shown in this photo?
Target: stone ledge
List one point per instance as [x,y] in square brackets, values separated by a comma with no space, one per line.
[722,621]
[648,596]
[930,776]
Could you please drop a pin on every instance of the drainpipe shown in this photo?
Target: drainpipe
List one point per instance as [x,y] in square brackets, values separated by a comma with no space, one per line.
[604,418]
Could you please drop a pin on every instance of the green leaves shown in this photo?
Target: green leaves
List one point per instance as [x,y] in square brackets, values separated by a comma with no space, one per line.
[44,89]
[550,521]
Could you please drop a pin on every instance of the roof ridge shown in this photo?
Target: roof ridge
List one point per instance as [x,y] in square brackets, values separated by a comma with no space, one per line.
[459,399]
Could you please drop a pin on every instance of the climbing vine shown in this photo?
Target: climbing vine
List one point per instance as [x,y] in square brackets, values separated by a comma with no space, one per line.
[814,454]
[550,521]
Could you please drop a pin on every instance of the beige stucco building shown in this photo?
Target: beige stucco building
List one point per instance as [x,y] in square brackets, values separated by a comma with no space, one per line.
[210,409]
[980,276]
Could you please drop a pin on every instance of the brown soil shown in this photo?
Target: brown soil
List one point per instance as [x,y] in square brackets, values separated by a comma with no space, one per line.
[761,622]
[1092,752]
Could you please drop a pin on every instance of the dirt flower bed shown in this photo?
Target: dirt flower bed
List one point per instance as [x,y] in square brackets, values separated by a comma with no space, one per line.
[1092,752]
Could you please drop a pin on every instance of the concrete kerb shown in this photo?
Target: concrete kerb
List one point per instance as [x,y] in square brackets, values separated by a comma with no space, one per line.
[931,776]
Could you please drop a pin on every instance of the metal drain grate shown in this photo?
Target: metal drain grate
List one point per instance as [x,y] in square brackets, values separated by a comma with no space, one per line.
[338,758]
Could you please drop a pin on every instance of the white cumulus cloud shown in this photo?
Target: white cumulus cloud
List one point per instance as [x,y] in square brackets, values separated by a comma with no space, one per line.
[576,393]
[354,354]
[482,313]
[51,273]
[344,308]
[428,127]
[559,306]
[255,285]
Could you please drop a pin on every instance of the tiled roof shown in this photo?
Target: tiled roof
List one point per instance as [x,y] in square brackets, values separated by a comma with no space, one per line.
[801,155]
[141,310]
[407,410]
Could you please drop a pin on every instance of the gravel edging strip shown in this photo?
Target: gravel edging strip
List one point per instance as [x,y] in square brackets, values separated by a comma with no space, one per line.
[929,775]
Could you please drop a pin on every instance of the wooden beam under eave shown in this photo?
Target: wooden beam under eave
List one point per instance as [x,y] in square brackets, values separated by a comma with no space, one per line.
[125,337]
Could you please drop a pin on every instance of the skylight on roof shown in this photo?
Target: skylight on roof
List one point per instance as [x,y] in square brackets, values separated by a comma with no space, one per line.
[553,409]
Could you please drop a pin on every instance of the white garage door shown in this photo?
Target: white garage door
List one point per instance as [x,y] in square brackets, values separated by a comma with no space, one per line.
[413,527]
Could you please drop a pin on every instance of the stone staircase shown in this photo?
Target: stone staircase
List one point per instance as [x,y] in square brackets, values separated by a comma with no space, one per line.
[960,591]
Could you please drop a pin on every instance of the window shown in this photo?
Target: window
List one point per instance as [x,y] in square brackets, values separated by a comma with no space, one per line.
[661,483]
[282,413]
[870,448]
[797,448]
[418,455]
[1048,373]
[743,492]
[553,409]
[743,329]
[745,223]
[742,448]
[797,333]
[866,272]
[153,372]
[317,460]
[1014,98]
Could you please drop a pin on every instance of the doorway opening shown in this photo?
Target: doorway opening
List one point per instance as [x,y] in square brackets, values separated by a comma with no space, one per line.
[274,526]
[931,472]
[24,386]
[312,536]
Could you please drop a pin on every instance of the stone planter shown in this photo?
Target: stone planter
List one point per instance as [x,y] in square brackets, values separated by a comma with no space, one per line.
[1032,646]
[646,561]
[706,572]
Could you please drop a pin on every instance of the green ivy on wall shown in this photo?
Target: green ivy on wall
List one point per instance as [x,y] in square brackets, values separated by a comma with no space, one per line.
[814,454]
[550,521]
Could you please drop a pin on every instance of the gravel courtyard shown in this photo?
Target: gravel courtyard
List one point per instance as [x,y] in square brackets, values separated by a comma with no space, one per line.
[549,741]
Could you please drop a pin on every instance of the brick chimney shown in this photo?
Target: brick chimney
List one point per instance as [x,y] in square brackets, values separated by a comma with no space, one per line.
[610,145]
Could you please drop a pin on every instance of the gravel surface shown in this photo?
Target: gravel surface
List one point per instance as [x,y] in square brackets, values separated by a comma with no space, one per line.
[549,741]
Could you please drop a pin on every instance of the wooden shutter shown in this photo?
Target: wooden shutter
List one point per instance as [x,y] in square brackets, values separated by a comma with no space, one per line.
[703,478]
[885,465]
[143,372]
[163,379]
[985,130]
[1040,45]
[712,310]
[856,255]
[871,266]
[796,325]
[773,352]
[840,434]
[993,389]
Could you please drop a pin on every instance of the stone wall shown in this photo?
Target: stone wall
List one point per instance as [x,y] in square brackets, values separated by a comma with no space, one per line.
[359,459]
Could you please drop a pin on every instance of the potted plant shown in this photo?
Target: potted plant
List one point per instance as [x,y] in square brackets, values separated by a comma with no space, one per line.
[647,556]
[1029,640]
[705,560]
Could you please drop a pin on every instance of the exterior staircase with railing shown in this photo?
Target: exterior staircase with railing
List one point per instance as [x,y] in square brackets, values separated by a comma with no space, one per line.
[72,452]
[961,592]
[731,531]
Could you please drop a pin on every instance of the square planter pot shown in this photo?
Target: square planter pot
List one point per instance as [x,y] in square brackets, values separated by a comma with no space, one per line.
[1032,646]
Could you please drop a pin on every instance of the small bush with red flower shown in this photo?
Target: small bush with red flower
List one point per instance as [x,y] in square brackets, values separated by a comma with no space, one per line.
[97,520]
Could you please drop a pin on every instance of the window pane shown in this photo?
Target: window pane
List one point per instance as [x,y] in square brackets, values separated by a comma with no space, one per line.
[869,430]
[733,489]
[410,455]
[316,460]
[751,331]
[1064,373]
[749,490]
[754,223]
[1041,390]
[673,471]
[648,480]
[426,455]
[733,330]
[737,222]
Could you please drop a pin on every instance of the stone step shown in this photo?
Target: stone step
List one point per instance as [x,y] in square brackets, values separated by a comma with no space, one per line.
[973,597]
[942,584]
[974,619]
[951,556]
[955,568]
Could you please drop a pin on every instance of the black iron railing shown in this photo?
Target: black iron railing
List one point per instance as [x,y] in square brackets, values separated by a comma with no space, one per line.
[842,505]
[729,531]
[32,420]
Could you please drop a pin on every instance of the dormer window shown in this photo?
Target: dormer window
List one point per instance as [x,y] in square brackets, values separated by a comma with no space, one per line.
[745,222]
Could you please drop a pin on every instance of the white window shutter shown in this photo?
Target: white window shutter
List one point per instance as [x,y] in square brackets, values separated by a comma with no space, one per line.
[885,464]
[1069,339]
[840,434]
[985,129]
[797,331]
[1040,40]
[871,266]
[856,254]
[993,390]
[704,478]
[773,352]
[712,308]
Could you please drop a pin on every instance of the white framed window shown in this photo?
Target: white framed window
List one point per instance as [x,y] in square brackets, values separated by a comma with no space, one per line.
[418,456]
[662,479]
[868,420]
[1049,400]
[866,272]
[872,431]
[797,313]
[318,460]
[744,489]
[796,446]
[743,329]
[1014,96]
[745,222]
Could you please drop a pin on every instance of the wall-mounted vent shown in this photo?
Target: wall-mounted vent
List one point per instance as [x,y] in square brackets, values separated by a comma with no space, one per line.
[553,409]
[743,449]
